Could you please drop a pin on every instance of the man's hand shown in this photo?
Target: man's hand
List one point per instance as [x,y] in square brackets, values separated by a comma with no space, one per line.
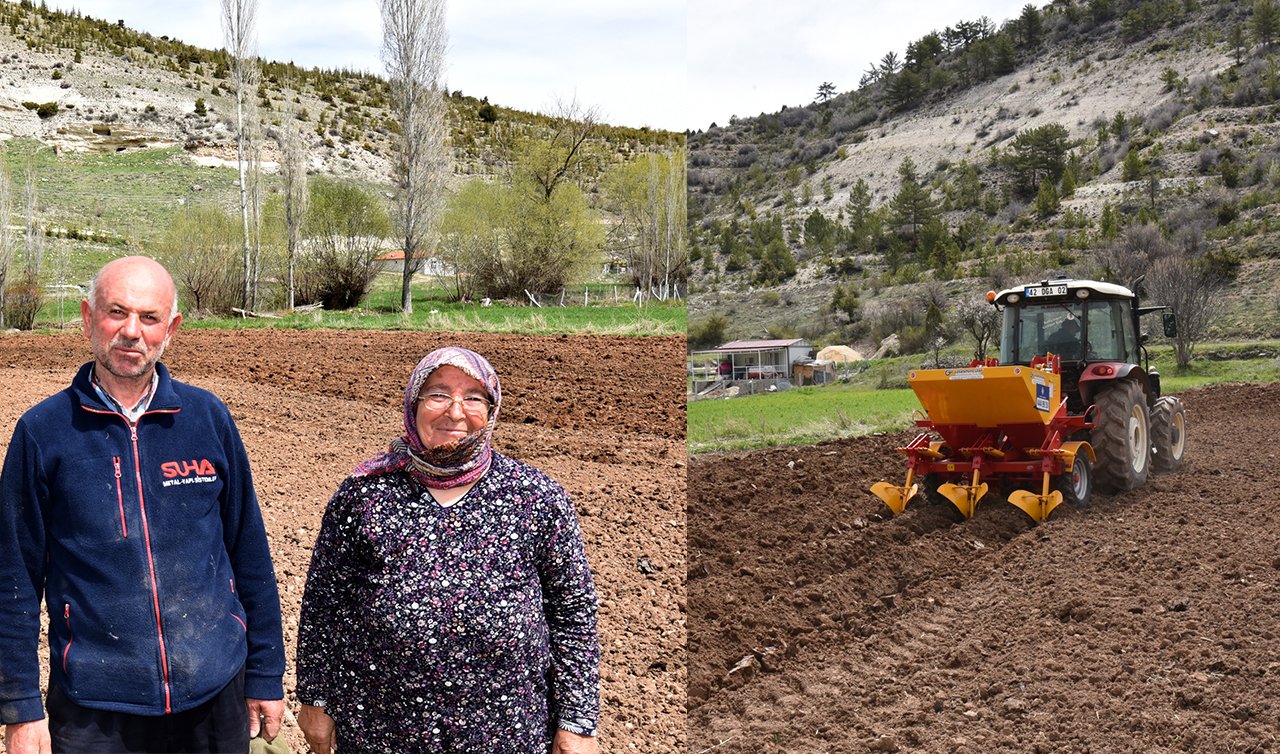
[567,742]
[318,728]
[27,738]
[264,717]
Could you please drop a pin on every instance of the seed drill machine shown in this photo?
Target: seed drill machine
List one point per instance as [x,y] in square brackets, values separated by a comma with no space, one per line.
[1070,404]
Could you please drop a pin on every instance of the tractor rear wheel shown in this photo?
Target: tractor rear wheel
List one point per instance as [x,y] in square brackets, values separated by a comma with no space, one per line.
[1122,439]
[1076,485]
[1168,433]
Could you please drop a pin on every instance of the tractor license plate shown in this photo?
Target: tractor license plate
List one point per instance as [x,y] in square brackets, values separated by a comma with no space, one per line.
[1047,290]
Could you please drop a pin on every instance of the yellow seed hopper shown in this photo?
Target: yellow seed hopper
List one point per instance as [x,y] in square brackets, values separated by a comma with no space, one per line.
[1006,424]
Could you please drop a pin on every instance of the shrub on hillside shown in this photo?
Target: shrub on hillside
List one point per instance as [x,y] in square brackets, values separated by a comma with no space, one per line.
[22,300]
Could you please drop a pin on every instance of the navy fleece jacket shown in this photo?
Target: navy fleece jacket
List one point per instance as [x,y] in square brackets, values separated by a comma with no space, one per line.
[149,548]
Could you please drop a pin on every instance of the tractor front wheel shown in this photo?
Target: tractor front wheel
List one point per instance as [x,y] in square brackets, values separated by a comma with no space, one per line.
[1076,485]
[1168,433]
[1122,439]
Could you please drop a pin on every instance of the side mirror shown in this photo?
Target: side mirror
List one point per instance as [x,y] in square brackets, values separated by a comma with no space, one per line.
[1170,324]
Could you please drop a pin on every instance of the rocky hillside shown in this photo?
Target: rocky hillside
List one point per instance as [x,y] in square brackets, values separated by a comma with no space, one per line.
[1096,138]
[82,84]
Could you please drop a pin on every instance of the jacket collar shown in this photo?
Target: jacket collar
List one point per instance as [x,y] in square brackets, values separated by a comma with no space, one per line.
[165,398]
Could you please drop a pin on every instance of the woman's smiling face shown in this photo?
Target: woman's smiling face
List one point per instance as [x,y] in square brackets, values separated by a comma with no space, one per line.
[451,424]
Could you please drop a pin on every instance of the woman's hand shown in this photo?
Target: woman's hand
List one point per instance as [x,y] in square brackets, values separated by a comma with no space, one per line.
[318,728]
[567,742]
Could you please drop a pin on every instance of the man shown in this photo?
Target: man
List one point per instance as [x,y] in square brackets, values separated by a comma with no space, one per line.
[126,499]
[1065,340]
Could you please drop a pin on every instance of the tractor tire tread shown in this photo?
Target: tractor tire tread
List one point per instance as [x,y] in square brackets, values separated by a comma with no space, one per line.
[1114,470]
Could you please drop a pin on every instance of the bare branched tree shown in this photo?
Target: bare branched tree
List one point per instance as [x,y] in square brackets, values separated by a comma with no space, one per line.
[1184,285]
[34,234]
[7,242]
[562,156]
[414,39]
[238,21]
[293,173]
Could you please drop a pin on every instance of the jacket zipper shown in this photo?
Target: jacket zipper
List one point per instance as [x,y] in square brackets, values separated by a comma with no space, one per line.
[124,528]
[66,615]
[146,538]
[233,615]
[151,564]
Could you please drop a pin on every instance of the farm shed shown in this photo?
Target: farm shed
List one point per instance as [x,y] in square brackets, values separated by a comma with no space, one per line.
[764,359]
[813,372]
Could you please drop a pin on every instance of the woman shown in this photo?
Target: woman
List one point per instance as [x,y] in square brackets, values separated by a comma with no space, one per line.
[449,606]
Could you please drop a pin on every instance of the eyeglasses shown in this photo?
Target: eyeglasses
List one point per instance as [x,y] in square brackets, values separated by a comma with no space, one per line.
[473,405]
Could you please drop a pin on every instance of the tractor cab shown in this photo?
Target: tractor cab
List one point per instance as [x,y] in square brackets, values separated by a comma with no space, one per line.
[1082,322]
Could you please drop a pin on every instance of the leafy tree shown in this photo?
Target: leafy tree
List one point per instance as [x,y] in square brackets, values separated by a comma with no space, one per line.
[924,52]
[201,108]
[473,236]
[1109,225]
[1047,201]
[826,90]
[708,333]
[913,205]
[1031,26]
[858,212]
[1004,56]
[1266,22]
[1039,154]
[906,89]
[889,64]
[819,232]
[1133,166]
[1101,10]
[200,250]
[346,226]
[844,299]
[968,187]
[777,263]
[1238,42]
[648,194]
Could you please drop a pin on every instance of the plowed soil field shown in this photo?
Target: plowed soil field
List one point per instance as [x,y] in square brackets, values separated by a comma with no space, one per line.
[604,416]
[1148,622]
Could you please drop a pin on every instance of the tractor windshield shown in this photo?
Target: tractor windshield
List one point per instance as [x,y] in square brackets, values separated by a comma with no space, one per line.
[1098,330]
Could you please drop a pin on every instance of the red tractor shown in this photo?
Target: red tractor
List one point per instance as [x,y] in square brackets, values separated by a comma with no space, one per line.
[1071,403]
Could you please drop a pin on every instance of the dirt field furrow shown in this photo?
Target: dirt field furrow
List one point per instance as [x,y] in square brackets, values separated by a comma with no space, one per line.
[1147,622]
[604,416]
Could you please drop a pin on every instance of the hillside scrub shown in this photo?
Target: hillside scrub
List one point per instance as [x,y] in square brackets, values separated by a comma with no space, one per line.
[1183,171]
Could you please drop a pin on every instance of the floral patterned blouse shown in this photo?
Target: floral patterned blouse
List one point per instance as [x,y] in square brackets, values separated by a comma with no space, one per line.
[471,627]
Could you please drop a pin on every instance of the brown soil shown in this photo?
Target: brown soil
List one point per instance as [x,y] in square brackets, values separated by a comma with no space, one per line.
[604,416]
[1147,622]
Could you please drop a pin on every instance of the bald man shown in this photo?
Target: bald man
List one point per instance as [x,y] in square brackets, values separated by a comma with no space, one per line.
[126,501]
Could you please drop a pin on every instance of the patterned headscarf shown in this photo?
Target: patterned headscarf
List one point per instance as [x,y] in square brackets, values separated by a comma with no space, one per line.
[453,464]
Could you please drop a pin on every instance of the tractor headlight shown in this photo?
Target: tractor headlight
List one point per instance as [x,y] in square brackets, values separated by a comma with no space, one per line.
[1014,298]
[1082,293]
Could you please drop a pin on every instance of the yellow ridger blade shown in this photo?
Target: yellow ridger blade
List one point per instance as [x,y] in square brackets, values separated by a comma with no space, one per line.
[896,497]
[965,499]
[1037,506]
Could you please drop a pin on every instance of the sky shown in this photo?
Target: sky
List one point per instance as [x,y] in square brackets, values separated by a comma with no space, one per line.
[624,57]
[752,56]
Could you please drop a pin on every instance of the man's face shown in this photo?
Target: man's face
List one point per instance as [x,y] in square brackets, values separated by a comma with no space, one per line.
[129,323]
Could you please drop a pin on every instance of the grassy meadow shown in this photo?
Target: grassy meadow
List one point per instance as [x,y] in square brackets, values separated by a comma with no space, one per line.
[100,206]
